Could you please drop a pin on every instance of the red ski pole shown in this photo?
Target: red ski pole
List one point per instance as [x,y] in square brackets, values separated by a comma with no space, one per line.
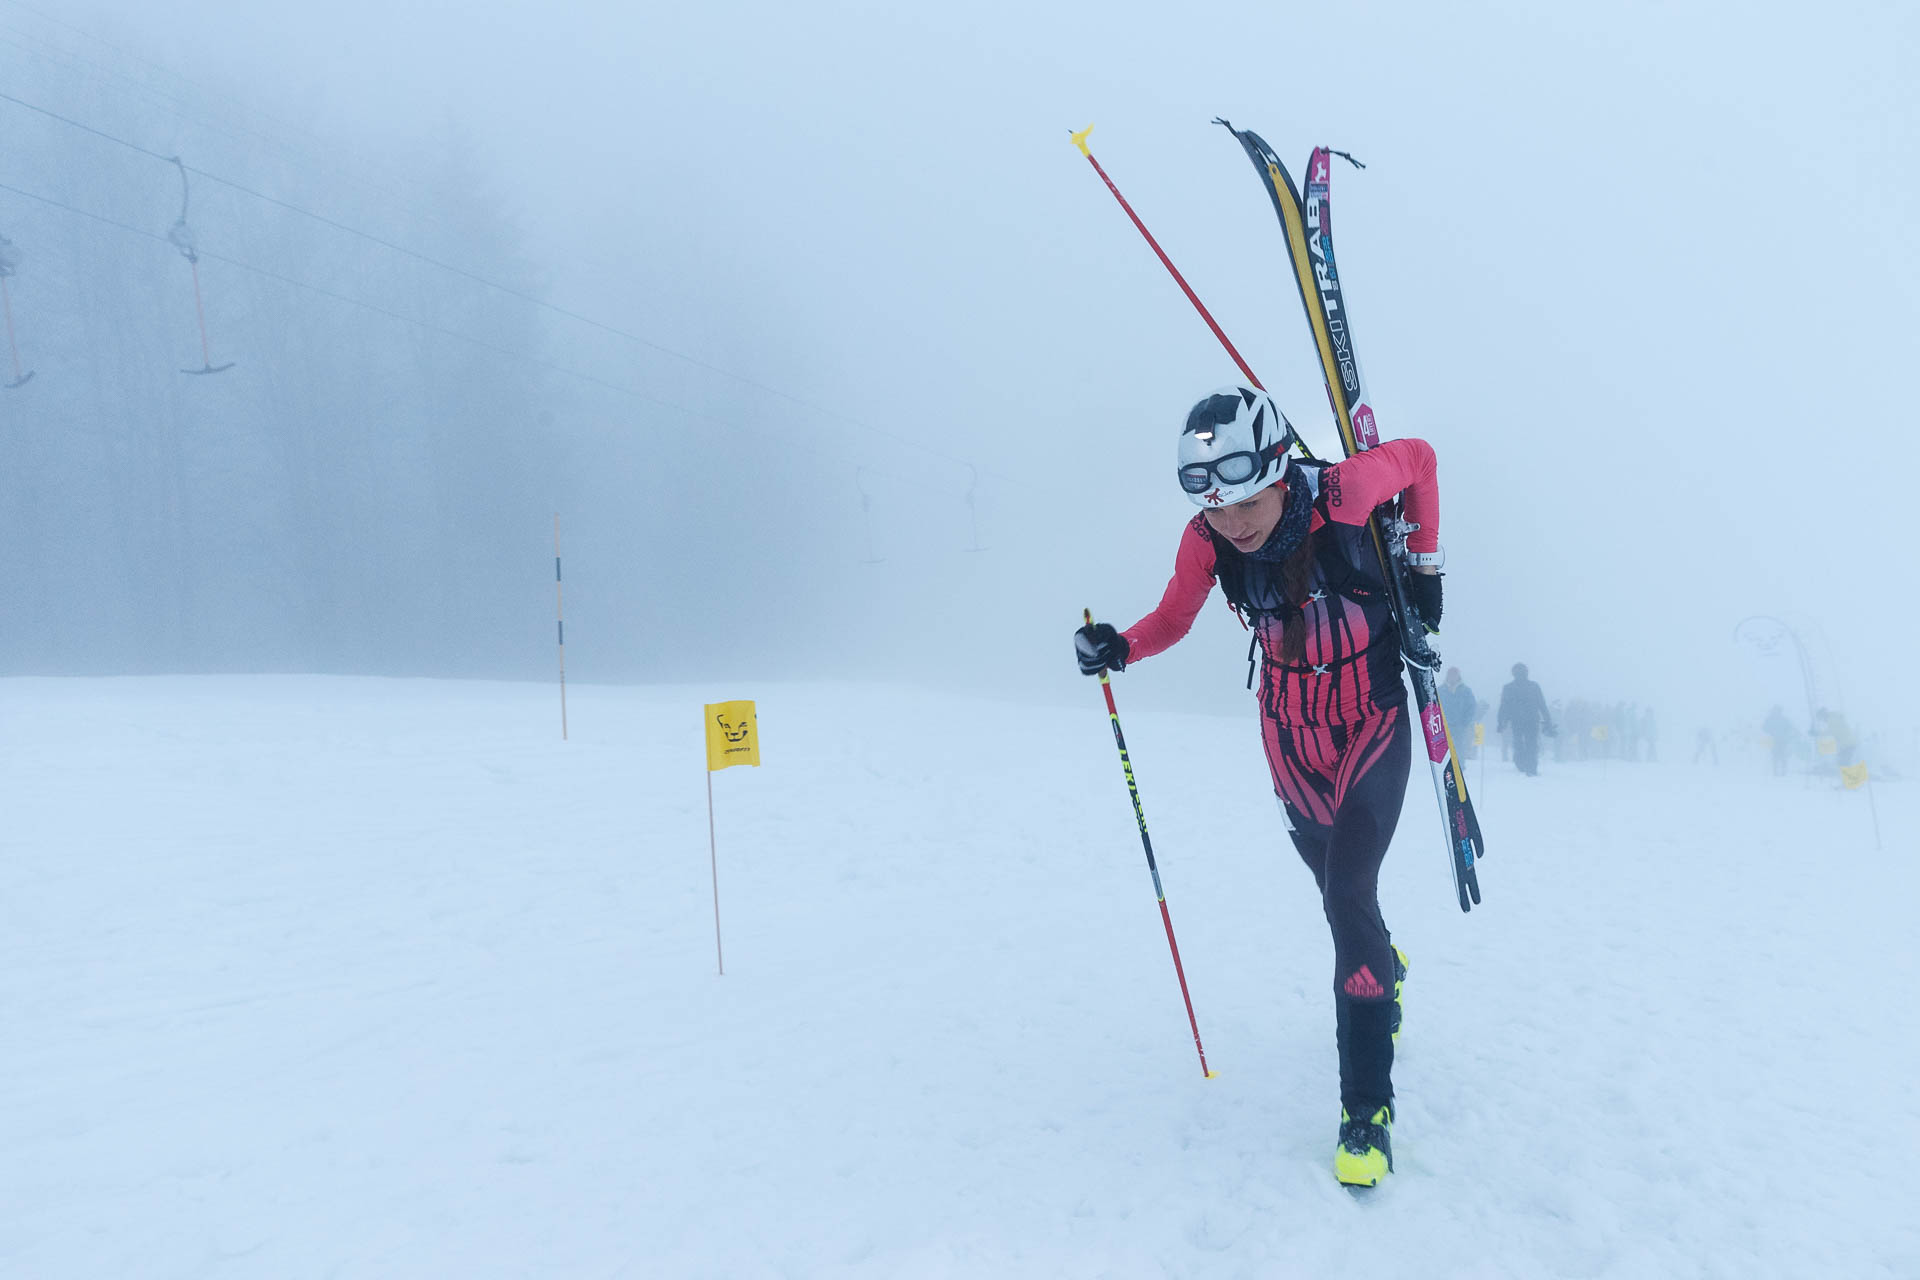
[1080,141]
[1146,842]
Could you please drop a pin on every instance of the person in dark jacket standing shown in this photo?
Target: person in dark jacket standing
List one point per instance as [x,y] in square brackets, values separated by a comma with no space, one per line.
[1524,709]
[1780,738]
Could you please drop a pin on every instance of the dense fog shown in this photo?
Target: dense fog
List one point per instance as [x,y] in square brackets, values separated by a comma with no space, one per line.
[833,357]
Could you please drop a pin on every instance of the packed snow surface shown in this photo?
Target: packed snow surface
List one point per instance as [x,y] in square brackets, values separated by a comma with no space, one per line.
[366,978]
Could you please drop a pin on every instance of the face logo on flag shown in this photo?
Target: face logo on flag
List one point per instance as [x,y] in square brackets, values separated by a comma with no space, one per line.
[731,739]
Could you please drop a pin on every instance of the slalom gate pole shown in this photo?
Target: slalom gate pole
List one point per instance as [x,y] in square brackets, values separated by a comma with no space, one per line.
[1146,842]
[560,619]
[1080,141]
[1873,809]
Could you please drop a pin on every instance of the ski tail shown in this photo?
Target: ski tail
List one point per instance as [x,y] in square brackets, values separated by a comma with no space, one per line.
[1307,222]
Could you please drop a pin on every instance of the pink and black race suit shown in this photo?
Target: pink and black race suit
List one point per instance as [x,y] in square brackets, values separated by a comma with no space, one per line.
[1351,667]
[1335,725]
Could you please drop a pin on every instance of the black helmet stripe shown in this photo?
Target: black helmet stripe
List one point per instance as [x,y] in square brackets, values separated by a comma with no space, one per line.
[1212,413]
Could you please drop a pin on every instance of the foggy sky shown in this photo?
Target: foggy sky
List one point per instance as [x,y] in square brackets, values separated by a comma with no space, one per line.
[1643,275]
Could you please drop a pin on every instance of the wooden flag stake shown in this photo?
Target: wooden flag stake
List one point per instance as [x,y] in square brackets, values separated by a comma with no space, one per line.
[1873,809]
[732,737]
[713,857]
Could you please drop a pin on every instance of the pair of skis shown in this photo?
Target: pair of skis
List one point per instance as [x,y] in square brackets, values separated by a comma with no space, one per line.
[1309,232]
[1309,228]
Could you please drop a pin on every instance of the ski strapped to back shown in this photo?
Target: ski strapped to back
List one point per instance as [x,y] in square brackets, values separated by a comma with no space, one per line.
[1309,232]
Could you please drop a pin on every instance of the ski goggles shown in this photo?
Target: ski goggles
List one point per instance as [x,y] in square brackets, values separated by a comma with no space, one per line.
[1229,469]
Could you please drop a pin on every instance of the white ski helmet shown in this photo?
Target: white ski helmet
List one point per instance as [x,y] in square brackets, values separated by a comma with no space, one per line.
[1234,445]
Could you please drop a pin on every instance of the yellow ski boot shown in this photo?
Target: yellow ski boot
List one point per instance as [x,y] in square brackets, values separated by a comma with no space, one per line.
[1365,1153]
[1399,982]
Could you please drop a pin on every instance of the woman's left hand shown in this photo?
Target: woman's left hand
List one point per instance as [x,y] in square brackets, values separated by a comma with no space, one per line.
[1423,593]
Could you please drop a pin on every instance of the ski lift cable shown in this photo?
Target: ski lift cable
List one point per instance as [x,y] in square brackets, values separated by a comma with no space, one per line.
[153,91]
[104,43]
[430,327]
[86,128]
[181,109]
[315,140]
[510,291]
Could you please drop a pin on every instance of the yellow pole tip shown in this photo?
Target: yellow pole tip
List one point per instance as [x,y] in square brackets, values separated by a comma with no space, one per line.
[1080,141]
[1213,1075]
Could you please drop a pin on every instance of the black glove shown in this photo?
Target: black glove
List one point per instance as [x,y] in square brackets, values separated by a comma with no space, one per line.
[1423,593]
[1100,648]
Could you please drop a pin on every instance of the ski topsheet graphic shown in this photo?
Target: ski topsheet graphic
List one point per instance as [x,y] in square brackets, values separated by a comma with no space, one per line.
[1308,224]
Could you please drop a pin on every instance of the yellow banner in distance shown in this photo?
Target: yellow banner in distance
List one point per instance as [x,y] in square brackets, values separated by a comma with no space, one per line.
[1479,734]
[1599,733]
[1827,746]
[733,735]
[1854,775]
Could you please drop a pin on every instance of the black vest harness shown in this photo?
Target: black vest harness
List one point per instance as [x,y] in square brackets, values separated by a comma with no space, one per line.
[1345,564]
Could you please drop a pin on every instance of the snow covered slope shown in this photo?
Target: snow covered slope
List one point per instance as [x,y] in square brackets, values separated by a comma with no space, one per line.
[330,977]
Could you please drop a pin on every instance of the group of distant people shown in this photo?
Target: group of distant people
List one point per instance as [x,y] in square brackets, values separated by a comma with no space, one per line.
[1522,718]
[1830,734]
[1598,731]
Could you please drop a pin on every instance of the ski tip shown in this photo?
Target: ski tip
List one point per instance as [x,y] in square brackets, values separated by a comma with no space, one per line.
[1080,141]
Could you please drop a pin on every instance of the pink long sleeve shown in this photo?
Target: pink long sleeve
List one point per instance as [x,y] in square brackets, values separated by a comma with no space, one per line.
[1356,485]
[1187,590]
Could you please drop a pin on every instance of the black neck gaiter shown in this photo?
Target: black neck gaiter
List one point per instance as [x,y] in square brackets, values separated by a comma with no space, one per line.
[1294,519]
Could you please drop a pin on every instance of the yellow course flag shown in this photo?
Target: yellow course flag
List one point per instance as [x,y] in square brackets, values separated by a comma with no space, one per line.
[1827,746]
[1854,775]
[733,735]
[1479,734]
[1599,733]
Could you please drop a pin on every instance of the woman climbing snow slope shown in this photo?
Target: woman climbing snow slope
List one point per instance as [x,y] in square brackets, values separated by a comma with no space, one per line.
[1287,540]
